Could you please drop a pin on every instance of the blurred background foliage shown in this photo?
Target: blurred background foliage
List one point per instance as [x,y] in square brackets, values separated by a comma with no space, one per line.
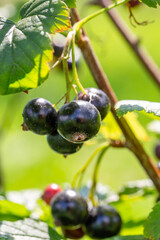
[26,159]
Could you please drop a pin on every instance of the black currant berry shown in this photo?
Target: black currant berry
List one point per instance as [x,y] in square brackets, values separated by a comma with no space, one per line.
[39,116]
[98,98]
[73,233]
[61,145]
[69,208]
[157,150]
[78,121]
[103,222]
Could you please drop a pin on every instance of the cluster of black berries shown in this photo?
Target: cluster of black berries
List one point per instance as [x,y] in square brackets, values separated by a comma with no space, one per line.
[74,123]
[76,218]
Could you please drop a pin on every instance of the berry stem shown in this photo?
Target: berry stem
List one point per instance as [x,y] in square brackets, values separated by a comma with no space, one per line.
[75,74]
[65,56]
[54,105]
[81,171]
[95,173]
[82,22]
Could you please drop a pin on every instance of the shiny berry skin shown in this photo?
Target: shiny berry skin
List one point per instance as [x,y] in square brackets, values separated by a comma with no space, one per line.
[78,121]
[98,98]
[50,191]
[103,222]
[40,117]
[69,208]
[157,150]
[73,233]
[61,145]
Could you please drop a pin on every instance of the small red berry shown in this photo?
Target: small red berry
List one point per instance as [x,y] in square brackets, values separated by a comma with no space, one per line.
[50,191]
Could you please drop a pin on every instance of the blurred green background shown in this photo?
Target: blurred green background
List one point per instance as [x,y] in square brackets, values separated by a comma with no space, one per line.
[26,159]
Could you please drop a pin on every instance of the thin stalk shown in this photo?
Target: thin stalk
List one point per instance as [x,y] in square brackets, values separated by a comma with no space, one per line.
[84,168]
[82,22]
[68,81]
[74,69]
[95,174]
[65,55]
[54,105]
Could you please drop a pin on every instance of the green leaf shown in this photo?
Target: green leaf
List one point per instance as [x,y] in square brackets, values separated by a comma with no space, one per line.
[135,237]
[151,3]
[70,3]
[151,226]
[110,128]
[48,16]
[151,108]
[25,48]
[139,188]
[27,229]
[12,211]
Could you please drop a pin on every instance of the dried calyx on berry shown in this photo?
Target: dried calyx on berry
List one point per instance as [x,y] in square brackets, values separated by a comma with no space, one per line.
[78,121]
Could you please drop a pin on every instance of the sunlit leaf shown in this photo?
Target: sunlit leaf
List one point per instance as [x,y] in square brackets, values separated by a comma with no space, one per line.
[135,237]
[151,3]
[151,226]
[136,126]
[70,3]
[12,211]
[110,129]
[27,229]
[151,108]
[25,48]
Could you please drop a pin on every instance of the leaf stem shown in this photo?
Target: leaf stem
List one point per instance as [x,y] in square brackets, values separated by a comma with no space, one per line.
[82,22]
[74,69]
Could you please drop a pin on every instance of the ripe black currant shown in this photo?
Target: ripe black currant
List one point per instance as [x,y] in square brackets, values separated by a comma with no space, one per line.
[73,233]
[39,116]
[61,145]
[157,150]
[103,222]
[98,98]
[50,191]
[78,121]
[69,208]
